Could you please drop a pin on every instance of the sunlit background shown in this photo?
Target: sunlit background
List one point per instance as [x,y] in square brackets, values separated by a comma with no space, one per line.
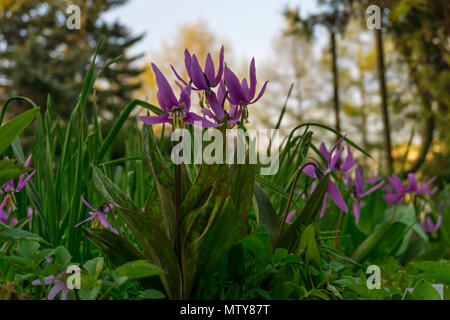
[291,43]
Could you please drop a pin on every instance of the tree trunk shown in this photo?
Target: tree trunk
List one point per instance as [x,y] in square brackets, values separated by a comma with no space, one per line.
[384,105]
[335,80]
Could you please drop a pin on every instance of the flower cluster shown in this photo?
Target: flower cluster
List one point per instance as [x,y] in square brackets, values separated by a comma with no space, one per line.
[413,188]
[343,168]
[239,94]
[9,189]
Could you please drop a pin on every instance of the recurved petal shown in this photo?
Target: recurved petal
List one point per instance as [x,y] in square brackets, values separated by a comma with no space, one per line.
[56,289]
[374,188]
[220,71]
[234,87]
[252,79]
[323,150]
[358,181]
[261,92]
[336,196]
[155,119]
[335,159]
[87,204]
[210,71]
[177,75]
[356,210]
[412,183]
[188,62]
[197,76]
[105,223]
[196,120]
[166,97]
[397,184]
[24,182]
[348,162]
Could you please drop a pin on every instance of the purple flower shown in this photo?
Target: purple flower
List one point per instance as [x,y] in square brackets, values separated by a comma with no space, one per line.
[217,102]
[9,189]
[291,215]
[332,190]
[202,79]
[359,192]
[175,110]
[4,216]
[98,215]
[413,188]
[59,284]
[30,214]
[240,94]
[344,166]
[431,227]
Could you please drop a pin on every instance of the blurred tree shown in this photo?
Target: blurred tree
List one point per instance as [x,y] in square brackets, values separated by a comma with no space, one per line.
[335,18]
[40,55]
[420,30]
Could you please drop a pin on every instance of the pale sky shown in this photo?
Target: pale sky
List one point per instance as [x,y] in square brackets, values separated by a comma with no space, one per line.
[249,25]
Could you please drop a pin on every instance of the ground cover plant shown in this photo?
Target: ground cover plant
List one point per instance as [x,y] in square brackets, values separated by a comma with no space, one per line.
[144,227]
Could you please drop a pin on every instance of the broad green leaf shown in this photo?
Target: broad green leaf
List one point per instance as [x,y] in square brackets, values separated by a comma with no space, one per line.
[16,234]
[196,224]
[266,216]
[383,241]
[11,130]
[152,238]
[138,269]
[151,294]
[423,291]
[94,267]
[118,249]
[241,188]
[111,192]
[228,228]
[157,248]
[308,243]
[434,270]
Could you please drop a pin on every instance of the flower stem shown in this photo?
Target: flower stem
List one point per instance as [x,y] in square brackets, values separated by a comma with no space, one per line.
[286,210]
[338,230]
[177,195]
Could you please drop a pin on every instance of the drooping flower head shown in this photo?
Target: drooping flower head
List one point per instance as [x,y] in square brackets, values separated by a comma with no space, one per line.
[176,111]
[9,189]
[59,285]
[315,172]
[240,94]
[430,226]
[4,215]
[397,190]
[98,215]
[359,193]
[343,167]
[217,104]
[202,79]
